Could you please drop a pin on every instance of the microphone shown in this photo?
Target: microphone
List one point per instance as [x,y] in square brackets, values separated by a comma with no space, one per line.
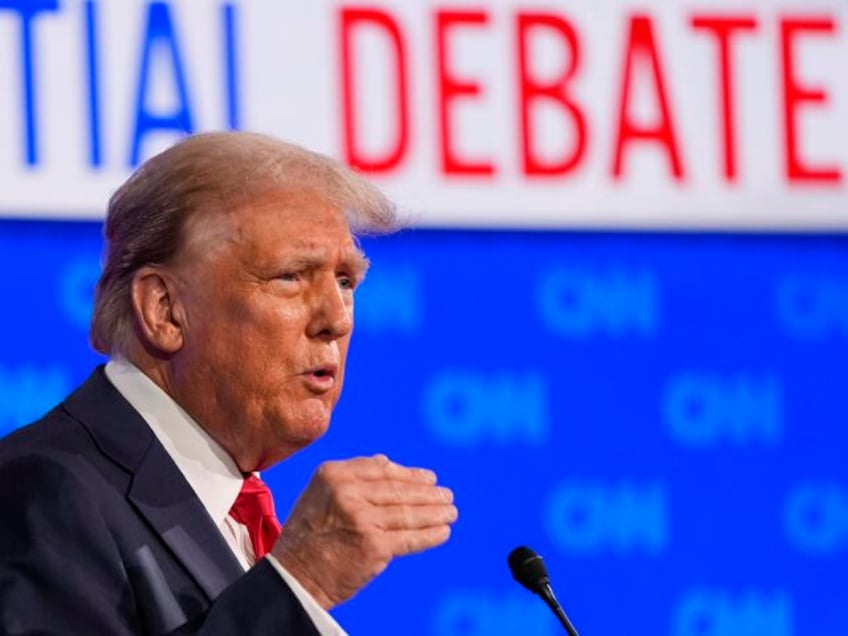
[529,569]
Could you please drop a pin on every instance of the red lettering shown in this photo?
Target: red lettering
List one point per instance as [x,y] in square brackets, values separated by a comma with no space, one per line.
[641,45]
[394,154]
[723,29]
[531,90]
[450,88]
[794,94]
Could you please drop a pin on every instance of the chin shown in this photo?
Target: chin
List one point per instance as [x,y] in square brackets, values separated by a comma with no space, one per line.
[290,445]
[305,430]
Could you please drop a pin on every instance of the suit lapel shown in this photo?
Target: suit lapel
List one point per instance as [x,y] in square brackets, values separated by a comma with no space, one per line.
[158,490]
[163,496]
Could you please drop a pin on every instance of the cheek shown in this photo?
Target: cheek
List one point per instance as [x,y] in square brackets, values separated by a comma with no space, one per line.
[280,320]
[269,328]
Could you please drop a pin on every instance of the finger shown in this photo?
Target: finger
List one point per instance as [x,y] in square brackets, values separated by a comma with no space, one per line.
[414,517]
[393,470]
[411,541]
[376,468]
[387,492]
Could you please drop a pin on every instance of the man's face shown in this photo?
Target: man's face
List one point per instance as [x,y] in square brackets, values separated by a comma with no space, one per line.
[266,295]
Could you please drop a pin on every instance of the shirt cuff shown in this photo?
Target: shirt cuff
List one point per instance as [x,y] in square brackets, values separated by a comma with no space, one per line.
[324,623]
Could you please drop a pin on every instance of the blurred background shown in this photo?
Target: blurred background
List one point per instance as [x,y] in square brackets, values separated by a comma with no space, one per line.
[616,326]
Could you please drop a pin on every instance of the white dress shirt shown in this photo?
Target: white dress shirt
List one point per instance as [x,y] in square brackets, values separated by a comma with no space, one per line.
[209,470]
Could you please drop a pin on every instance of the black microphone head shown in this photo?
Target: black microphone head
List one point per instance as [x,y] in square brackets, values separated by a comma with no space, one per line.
[528,568]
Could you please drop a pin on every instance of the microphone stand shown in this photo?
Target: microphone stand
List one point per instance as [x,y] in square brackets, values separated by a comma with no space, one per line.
[547,594]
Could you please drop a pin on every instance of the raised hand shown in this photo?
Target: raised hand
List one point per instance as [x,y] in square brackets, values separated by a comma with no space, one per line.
[354,517]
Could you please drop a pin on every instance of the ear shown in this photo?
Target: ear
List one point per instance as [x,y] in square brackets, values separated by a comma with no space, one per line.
[156,309]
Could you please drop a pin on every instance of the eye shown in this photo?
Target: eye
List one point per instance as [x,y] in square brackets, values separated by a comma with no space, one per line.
[347,283]
[289,276]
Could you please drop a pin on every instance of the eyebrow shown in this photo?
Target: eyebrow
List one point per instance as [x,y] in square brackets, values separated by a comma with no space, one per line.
[358,263]
[355,260]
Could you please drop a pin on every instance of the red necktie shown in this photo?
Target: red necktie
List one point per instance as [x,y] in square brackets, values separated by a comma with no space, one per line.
[254,507]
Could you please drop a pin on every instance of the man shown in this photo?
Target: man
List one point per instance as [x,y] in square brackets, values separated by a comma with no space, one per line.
[226,306]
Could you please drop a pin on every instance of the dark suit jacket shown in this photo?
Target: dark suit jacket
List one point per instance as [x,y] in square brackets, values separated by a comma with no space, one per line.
[100,533]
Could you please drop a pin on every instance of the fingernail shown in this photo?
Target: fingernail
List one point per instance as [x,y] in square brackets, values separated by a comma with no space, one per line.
[446,494]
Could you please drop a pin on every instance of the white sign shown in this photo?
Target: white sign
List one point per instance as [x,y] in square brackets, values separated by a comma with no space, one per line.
[614,113]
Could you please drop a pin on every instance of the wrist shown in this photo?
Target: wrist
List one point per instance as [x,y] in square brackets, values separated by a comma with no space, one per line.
[297,568]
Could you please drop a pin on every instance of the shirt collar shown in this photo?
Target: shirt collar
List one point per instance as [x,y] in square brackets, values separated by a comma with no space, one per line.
[207,467]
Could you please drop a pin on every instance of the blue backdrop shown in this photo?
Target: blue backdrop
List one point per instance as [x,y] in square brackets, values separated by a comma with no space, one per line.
[663,417]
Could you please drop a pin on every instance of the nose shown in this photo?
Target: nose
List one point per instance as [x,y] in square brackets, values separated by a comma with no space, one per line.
[331,311]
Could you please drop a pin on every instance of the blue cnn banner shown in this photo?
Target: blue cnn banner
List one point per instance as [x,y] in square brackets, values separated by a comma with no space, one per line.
[661,416]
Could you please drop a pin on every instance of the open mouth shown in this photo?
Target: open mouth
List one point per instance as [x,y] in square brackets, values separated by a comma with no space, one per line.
[322,374]
[320,380]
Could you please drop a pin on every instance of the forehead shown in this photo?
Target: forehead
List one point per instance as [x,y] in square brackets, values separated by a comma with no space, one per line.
[274,225]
